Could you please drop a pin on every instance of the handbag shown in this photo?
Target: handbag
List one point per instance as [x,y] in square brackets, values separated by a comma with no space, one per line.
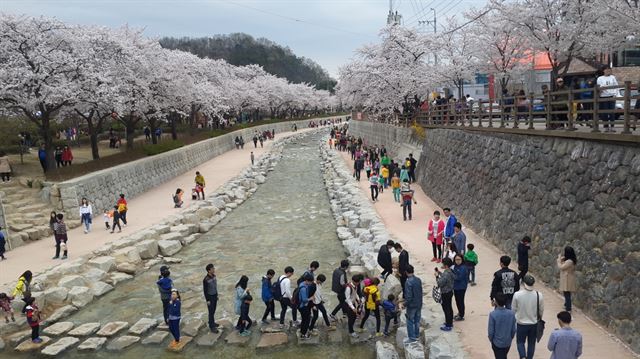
[436,294]
[541,323]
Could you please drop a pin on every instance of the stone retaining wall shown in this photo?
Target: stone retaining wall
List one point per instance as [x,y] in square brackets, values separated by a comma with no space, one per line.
[398,140]
[559,191]
[134,178]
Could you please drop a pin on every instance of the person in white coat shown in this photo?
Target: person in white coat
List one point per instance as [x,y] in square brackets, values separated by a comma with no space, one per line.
[86,213]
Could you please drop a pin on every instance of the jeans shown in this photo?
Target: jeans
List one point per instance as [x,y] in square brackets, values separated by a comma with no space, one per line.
[165,310]
[526,332]
[59,240]
[374,193]
[43,163]
[459,296]
[396,194]
[123,217]
[447,308]
[35,332]
[341,302]
[607,105]
[211,307]
[86,220]
[376,313]
[500,353]
[567,301]
[270,309]
[174,328]
[241,326]
[284,304]
[472,274]
[318,308]
[387,320]
[406,207]
[358,175]
[413,323]
[305,312]
[351,315]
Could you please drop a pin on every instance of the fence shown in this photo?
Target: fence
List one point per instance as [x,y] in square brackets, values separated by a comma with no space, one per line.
[564,110]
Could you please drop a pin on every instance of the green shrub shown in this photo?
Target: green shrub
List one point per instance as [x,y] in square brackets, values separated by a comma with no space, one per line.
[161,147]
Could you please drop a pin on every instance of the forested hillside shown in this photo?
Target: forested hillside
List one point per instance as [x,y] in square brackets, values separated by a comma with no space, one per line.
[242,49]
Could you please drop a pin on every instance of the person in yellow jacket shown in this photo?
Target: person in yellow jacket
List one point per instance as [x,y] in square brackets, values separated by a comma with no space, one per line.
[384,172]
[199,184]
[395,186]
[23,288]
[372,304]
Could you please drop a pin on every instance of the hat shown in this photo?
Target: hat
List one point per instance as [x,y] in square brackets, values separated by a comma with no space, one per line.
[528,280]
[164,269]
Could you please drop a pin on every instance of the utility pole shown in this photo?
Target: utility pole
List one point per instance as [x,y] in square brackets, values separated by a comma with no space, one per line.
[433,22]
[393,18]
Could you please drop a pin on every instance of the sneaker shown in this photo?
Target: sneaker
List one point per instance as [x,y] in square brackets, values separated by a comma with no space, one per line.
[434,259]
[445,328]
[305,336]
[64,257]
[378,334]
[458,318]
[473,284]
[332,328]
[281,326]
[216,325]
[360,330]
[314,332]
[386,334]
[56,257]
[215,331]
[354,335]
[333,318]
[245,333]
[37,340]
[264,321]
[438,260]
[408,340]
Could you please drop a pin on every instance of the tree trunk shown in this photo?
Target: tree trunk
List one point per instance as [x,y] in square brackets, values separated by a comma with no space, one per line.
[48,140]
[131,128]
[174,130]
[153,125]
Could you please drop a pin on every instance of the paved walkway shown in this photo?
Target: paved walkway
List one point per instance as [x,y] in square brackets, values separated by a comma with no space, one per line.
[144,211]
[597,343]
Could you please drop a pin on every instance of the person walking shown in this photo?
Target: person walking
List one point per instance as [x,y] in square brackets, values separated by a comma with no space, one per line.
[338,284]
[384,259]
[446,279]
[123,208]
[200,183]
[567,266]
[471,259]
[285,292]
[245,321]
[23,288]
[3,242]
[412,168]
[318,305]
[413,305]
[372,303]
[255,140]
[449,222]
[403,263]
[435,230]
[358,165]
[210,291]
[67,156]
[5,167]
[565,342]
[57,155]
[253,158]
[460,284]
[373,184]
[607,98]
[241,293]
[86,213]
[116,220]
[407,197]
[60,235]
[174,318]
[395,187]
[505,281]
[267,296]
[523,256]
[528,305]
[33,319]
[502,327]
[305,302]
[42,157]
[352,303]
[165,284]
[459,239]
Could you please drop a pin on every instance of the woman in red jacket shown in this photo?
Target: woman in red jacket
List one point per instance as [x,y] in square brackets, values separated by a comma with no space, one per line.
[67,156]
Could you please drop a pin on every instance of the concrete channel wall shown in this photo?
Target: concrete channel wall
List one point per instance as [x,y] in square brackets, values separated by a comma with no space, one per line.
[561,192]
[136,177]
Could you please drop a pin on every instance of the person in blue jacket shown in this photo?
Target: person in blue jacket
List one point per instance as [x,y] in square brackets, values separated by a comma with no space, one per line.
[305,305]
[42,156]
[267,297]
[174,317]
[165,284]
[460,284]
[449,220]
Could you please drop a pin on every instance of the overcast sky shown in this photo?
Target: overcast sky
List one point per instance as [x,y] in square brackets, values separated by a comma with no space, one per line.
[327,31]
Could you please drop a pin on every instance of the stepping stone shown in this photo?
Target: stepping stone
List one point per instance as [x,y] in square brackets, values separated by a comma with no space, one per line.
[155,338]
[184,340]
[1,344]
[335,337]
[92,344]
[85,329]
[142,326]
[58,328]
[60,346]
[235,338]
[313,340]
[209,339]
[269,340]
[162,326]
[191,326]
[60,313]
[363,337]
[122,342]
[271,328]
[111,329]
[28,345]
[17,338]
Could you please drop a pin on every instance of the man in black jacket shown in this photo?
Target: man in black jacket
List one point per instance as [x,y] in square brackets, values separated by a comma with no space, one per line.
[358,165]
[338,283]
[412,168]
[210,289]
[384,259]
[523,256]
[403,263]
[505,281]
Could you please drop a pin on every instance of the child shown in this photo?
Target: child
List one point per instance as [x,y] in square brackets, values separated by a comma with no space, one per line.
[367,168]
[33,319]
[165,284]
[5,304]
[390,312]
[318,306]
[174,317]
[177,198]
[471,260]
[451,251]
[200,183]
[106,217]
[385,175]
[395,186]
[381,183]
[245,321]
[372,304]
[116,220]
[2,244]
[60,234]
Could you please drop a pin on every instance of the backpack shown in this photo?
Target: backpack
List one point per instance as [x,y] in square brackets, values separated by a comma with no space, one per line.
[276,290]
[295,298]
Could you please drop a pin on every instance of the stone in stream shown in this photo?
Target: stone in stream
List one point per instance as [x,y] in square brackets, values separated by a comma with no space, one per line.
[440,349]
[191,326]
[155,338]
[58,328]
[271,328]
[126,267]
[334,337]
[71,281]
[1,344]
[401,335]
[363,337]
[269,340]
[100,288]
[184,340]
[235,338]
[312,340]
[116,278]
[142,326]
[61,345]
[386,350]
[62,312]
[27,345]
[104,263]
[85,329]
[169,248]
[112,328]
[92,344]
[414,350]
[209,339]
[56,295]
[122,342]
[80,296]
[16,338]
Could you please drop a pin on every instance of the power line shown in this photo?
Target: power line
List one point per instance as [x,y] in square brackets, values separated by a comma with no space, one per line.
[420,14]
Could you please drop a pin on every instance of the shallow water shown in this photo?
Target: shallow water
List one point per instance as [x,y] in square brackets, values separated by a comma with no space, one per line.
[286,222]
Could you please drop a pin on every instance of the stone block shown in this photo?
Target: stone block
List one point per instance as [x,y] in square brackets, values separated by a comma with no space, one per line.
[29,346]
[440,349]
[386,350]
[71,281]
[56,295]
[117,277]
[125,267]
[142,326]
[100,288]
[234,338]
[414,350]
[61,313]
[209,339]
[270,340]
[147,249]
[206,213]
[182,230]
[92,344]
[184,340]
[16,338]
[112,328]
[94,275]
[85,329]
[127,254]
[401,335]
[59,346]
[58,329]
[191,326]
[205,227]
[155,338]
[391,285]
[122,342]
[169,248]
[172,236]
[80,296]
